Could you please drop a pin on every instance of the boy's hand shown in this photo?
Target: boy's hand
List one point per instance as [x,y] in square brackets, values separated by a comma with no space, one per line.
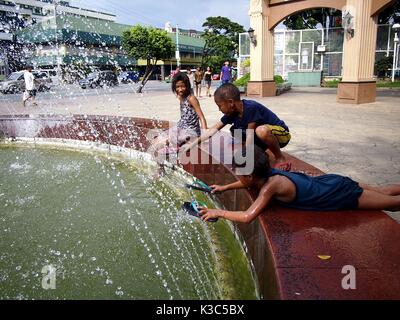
[206,213]
[183,150]
[217,189]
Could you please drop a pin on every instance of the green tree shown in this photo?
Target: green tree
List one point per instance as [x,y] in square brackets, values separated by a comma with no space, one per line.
[391,14]
[221,37]
[383,65]
[327,17]
[311,19]
[149,44]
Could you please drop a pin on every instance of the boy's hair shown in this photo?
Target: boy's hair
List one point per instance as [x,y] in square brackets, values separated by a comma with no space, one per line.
[227,91]
[185,79]
[261,167]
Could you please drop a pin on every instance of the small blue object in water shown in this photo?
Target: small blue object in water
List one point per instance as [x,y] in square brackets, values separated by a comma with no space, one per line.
[200,185]
[192,209]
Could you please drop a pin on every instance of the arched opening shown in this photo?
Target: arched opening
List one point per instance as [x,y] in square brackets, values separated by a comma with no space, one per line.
[282,10]
[309,41]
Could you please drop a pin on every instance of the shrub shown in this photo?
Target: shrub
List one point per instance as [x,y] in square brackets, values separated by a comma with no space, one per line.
[242,82]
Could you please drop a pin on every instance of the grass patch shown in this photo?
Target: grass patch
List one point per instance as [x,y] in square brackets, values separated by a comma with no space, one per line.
[379,84]
[388,84]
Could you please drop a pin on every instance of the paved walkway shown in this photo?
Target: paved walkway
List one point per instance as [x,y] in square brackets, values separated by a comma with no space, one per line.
[361,141]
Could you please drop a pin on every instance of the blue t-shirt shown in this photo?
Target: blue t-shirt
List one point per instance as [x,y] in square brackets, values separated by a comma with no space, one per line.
[253,112]
[226,73]
[324,193]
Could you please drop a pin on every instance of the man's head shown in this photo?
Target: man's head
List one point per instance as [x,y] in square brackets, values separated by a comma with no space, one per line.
[251,164]
[29,68]
[226,63]
[227,97]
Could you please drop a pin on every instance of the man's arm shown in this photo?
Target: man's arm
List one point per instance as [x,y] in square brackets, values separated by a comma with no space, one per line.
[263,199]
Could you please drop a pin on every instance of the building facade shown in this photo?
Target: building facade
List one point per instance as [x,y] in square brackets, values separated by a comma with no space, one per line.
[358,84]
[17,15]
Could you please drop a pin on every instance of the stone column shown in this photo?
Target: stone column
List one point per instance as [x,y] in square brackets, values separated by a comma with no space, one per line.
[358,84]
[261,82]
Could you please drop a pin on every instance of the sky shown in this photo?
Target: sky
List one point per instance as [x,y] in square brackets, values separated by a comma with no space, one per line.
[188,14]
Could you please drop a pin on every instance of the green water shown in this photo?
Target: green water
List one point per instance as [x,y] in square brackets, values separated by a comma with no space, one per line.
[109,230]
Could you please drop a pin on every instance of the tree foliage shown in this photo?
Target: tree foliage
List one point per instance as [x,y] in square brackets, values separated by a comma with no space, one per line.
[391,14]
[221,37]
[149,44]
[312,19]
[328,18]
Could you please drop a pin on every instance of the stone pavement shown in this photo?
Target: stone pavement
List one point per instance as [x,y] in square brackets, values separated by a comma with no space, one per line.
[360,141]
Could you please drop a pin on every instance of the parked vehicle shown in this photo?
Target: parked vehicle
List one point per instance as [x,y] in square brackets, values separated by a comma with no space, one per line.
[216,76]
[51,74]
[15,83]
[129,77]
[99,79]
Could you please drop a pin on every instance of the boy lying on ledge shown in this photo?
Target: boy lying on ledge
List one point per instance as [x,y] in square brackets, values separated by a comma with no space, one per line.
[327,192]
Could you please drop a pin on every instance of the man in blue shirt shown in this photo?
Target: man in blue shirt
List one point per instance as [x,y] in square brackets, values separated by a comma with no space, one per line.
[226,73]
[250,119]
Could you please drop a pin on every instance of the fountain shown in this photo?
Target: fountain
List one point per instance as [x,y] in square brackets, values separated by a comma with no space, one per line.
[77,200]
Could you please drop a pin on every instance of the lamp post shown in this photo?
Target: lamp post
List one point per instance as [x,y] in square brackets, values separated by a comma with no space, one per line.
[177,54]
[56,3]
[395,28]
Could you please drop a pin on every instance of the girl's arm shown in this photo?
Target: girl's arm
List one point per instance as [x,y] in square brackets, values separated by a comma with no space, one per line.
[263,199]
[196,106]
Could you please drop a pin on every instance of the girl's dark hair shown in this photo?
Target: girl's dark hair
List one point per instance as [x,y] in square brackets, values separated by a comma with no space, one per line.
[180,76]
[261,167]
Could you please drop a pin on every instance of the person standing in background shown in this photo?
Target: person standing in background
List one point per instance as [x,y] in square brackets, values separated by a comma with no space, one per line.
[226,73]
[30,90]
[208,79]
[190,75]
[198,78]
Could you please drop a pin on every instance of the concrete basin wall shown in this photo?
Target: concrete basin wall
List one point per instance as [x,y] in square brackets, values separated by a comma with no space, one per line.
[296,254]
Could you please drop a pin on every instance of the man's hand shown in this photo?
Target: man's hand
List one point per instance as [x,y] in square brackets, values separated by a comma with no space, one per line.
[217,189]
[207,214]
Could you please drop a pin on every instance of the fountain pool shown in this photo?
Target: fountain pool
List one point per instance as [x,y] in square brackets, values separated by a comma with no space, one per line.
[108,230]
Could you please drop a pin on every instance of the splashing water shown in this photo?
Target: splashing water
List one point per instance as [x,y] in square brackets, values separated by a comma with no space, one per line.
[107,228]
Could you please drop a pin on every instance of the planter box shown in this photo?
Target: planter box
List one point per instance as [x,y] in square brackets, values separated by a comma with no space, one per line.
[305,78]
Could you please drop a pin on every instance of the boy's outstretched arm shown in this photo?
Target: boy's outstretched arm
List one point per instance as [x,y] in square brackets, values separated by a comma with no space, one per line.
[263,199]
[251,129]
[207,134]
